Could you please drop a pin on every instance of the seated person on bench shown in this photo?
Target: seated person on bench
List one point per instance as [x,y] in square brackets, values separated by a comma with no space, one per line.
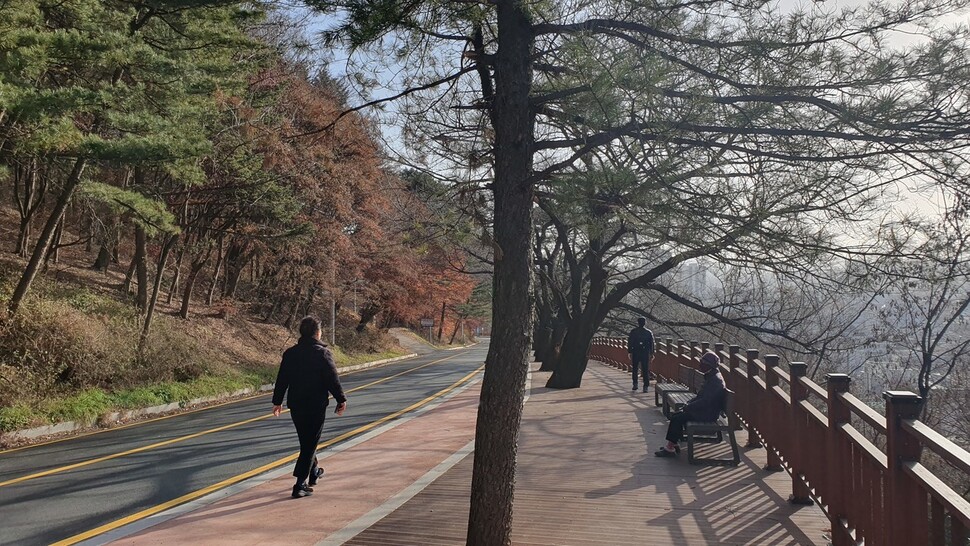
[706,406]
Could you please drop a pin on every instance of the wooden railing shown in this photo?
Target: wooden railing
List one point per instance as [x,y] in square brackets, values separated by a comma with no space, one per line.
[871,494]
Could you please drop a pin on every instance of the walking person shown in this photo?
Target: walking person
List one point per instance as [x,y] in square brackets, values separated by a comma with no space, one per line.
[308,376]
[640,346]
[706,406]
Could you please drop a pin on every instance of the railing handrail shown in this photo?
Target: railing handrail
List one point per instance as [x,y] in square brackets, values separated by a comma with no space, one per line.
[879,496]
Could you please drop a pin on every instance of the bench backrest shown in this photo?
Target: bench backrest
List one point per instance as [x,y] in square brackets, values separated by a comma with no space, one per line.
[684,374]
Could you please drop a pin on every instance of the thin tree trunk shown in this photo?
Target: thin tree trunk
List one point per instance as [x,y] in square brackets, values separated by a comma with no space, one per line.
[129,275]
[367,314]
[237,257]
[441,323]
[156,288]
[272,310]
[506,366]
[174,286]
[54,250]
[29,202]
[194,270]
[46,235]
[454,332]
[296,307]
[220,257]
[141,267]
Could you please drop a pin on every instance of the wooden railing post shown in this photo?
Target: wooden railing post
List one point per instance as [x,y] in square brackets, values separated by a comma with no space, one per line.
[693,352]
[734,383]
[753,421]
[796,459]
[838,463]
[905,500]
[704,347]
[771,417]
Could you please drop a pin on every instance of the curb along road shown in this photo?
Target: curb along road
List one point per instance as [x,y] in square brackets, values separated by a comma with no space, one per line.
[105,421]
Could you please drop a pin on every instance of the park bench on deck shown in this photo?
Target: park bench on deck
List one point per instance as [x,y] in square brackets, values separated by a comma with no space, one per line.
[674,399]
[660,390]
[713,431]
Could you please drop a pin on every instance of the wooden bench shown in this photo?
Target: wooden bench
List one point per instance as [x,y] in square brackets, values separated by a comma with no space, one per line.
[714,431]
[661,390]
[674,399]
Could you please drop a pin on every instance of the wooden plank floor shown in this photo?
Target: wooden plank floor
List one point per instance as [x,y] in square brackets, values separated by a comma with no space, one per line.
[587,476]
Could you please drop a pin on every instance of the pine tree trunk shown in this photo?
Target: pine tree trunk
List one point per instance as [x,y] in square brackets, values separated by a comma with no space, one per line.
[296,307]
[102,261]
[23,238]
[194,271]
[28,203]
[54,250]
[272,310]
[503,388]
[129,275]
[441,323]
[550,359]
[46,235]
[367,314]
[572,360]
[237,257]
[215,275]
[141,267]
[174,286]
[156,288]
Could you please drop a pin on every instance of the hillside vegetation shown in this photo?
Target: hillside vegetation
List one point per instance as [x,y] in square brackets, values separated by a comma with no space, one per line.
[178,186]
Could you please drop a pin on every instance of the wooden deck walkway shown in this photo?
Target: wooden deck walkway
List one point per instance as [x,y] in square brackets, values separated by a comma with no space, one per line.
[587,476]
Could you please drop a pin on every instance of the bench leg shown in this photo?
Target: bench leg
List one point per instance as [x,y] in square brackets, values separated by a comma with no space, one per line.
[690,446]
[736,456]
[735,452]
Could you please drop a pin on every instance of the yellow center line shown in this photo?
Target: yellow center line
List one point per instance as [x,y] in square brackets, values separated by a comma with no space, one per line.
[194,435]
[161,418]
[256,471]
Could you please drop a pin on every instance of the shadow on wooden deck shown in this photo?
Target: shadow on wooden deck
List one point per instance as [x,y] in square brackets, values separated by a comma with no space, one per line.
[587,476]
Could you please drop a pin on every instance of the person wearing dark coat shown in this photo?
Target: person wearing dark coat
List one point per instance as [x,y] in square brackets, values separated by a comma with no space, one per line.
[641,348]
[706,406]
[308,376]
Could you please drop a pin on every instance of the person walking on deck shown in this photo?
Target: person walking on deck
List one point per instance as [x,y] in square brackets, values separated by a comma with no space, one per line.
[308,376]
[640,346]
[706,406]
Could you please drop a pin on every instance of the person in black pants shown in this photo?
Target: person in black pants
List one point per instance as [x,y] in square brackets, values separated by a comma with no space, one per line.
[309,375]
[706,406]
[640,346]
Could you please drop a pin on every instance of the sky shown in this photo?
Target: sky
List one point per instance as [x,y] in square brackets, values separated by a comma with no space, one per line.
[336,63]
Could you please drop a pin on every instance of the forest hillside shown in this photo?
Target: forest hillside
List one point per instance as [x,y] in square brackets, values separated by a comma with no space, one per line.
[177,188]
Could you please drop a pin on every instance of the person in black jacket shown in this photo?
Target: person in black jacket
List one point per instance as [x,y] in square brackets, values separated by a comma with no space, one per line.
[706,406]
[640,346]
[310,375]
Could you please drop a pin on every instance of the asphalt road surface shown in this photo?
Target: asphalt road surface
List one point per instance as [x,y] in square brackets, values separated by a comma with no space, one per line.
[58,491]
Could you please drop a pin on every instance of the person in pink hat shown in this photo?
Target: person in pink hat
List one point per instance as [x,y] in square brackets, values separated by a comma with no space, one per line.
[706,406]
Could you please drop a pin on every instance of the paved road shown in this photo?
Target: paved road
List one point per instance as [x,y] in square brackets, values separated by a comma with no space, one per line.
[53,492]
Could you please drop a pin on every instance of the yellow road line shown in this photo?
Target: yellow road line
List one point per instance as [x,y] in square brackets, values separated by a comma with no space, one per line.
[256,471]
[163,417]
[129,425]
[194,435]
